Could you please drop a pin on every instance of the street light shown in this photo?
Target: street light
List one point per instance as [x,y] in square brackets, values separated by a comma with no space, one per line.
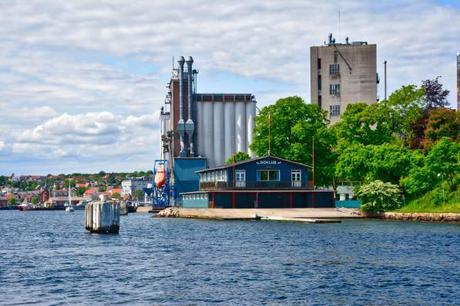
[442,183]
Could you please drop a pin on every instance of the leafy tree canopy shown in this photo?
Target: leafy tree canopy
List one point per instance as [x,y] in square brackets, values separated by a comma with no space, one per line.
[364,124]
[442,122]
[442,163]
[116,195]
[293,124]
[403,109]
[389,162]
[237,157]
[435,95]
[138,195]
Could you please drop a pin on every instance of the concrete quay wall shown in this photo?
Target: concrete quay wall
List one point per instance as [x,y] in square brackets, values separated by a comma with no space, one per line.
[250,213]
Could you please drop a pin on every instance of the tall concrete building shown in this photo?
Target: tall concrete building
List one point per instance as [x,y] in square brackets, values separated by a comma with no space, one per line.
[343,73]
[208,125]
[458,81]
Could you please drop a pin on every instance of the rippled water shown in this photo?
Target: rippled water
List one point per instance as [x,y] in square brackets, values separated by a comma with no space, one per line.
[47,257]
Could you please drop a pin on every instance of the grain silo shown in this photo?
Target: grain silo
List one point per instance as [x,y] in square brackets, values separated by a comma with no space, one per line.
[202,130]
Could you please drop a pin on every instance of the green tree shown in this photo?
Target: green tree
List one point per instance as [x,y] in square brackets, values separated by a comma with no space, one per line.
[435,95]
[442,163]
[112,180]
[12,201]
[237,157]
[3,181]
[364,124]
[442,122]
[80,191]
[116,195]
[353,164]
[102,188]
[389,162]
[293,124]
[403,109]
[378,196]
[138,195]
[35,200]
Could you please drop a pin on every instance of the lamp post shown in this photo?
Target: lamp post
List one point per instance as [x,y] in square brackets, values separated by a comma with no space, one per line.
[442,183]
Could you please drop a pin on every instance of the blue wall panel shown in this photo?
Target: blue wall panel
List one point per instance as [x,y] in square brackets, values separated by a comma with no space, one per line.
[185,178]
[348,204]
[284,167]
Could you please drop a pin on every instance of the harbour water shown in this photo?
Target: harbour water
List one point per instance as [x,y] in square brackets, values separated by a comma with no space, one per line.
[49,258]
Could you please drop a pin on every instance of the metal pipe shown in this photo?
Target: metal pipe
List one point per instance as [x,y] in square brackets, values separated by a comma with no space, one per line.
[189,86]
[181,62]
[181,122]
[190,126]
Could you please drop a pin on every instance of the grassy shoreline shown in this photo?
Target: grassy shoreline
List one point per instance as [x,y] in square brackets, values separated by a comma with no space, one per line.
[431,203]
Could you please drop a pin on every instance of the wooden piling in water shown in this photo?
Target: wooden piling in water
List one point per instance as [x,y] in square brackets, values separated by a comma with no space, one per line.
[102,217]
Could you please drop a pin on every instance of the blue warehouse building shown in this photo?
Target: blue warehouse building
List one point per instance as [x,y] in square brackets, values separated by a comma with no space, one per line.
[265,182]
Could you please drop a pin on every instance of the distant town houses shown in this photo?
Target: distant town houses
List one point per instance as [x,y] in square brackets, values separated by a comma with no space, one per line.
[54,189]
[130,186]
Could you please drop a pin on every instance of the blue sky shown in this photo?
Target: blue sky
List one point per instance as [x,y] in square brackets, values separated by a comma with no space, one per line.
[81,82]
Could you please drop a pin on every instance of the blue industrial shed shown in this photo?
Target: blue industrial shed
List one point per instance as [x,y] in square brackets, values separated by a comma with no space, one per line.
[265,182]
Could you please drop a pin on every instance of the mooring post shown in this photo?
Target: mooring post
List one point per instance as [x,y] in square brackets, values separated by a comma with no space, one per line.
[102,217]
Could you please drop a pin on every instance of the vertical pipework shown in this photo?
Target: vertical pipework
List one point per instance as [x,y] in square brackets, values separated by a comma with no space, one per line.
[190,126]
[189,87]
[181,87]
[181,123]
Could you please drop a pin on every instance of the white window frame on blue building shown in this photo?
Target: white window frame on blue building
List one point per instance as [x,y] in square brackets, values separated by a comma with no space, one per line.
[296,178]
[240,178]
[269,177]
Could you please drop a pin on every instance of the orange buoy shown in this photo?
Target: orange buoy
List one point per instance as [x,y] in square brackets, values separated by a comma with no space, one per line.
[160,176]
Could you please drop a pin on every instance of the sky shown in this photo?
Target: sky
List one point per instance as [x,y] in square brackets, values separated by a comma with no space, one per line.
[82,82]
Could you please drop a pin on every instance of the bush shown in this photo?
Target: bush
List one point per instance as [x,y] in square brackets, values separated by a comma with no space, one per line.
[378,196]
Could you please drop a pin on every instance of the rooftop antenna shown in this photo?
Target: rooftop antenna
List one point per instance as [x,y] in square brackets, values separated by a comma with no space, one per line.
[339,23]
[172,62]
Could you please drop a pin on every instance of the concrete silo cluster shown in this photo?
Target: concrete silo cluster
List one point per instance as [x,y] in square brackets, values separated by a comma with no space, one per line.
[200,130]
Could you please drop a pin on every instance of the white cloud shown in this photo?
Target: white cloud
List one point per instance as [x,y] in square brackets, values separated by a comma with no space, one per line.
[103,65]
[92,139]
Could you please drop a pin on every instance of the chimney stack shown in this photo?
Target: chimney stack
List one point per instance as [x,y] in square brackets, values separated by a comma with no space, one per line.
[190,126]
[181,123]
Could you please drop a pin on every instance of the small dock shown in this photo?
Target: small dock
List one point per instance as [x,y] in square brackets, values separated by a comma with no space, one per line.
[304,220]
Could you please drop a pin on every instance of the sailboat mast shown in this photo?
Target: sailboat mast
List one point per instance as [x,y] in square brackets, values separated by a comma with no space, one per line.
[70,200]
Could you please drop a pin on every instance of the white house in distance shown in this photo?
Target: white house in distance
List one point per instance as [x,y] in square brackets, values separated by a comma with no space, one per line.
[129,186]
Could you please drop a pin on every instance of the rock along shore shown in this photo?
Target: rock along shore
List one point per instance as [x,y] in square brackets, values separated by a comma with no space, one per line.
[422,217]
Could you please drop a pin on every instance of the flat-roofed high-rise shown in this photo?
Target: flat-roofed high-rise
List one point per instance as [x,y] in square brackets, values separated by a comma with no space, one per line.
[341,74]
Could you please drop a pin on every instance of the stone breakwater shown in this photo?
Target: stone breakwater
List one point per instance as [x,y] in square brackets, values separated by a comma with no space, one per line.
[421,217]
